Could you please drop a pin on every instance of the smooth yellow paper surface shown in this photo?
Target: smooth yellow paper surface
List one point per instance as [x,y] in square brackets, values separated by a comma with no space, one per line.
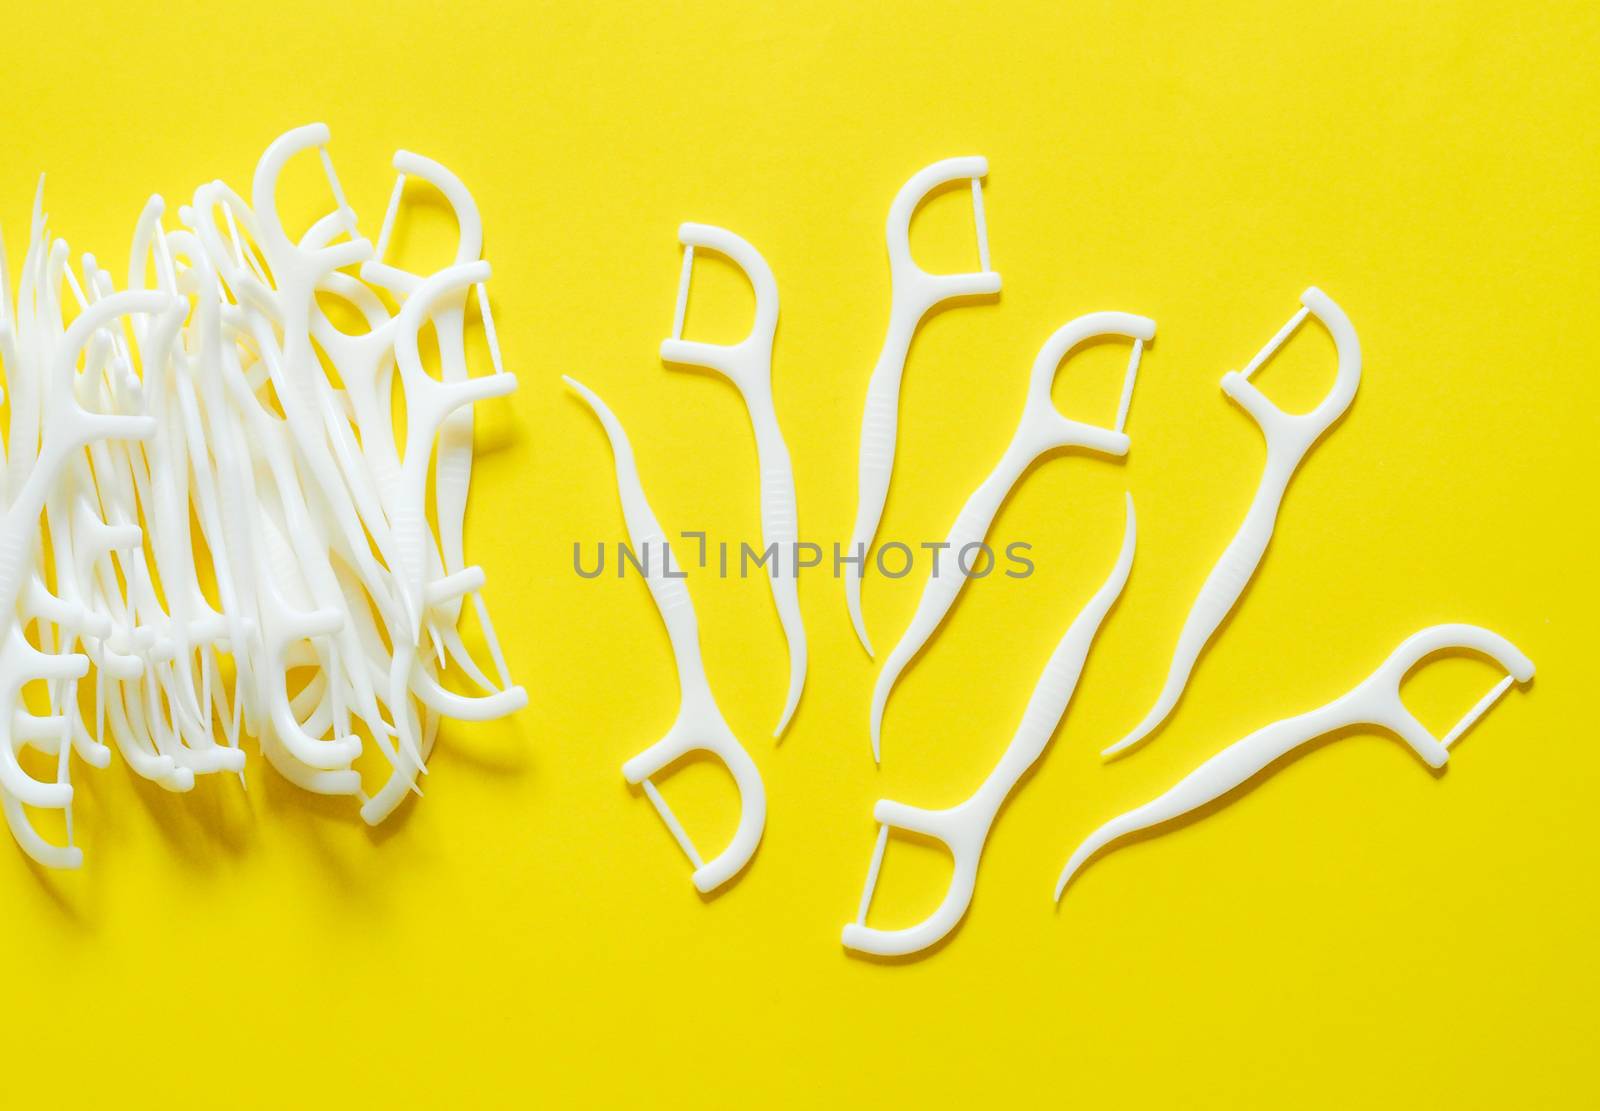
[1355,931]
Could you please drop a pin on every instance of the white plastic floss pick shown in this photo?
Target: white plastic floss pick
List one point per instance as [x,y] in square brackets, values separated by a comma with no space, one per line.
[453,470]
[748,365]
[312,518]
[1042,428]
[913,294]
[1375,701]
[1289,437]
[963,829]
[699,725]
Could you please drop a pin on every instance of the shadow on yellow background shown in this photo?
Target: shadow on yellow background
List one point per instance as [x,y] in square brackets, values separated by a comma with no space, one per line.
[1353,930]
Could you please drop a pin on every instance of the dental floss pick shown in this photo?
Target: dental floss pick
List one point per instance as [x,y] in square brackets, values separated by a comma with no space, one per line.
[699,725]
[913,294]
[748,365]
[1375,701]
[1289,437]
[964,828]
[1041,428]
[453,471]
[429,403]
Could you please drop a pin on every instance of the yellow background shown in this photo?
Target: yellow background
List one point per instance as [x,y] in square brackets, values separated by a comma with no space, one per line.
[1355,929]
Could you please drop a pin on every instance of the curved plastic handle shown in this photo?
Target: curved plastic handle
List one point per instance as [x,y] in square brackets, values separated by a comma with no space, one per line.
[913,293]
[964,828]
[709,735]
[1289,437]
[1059,681]
[943,586]
[1374,701]
[748,364]
[645,536]
[780,533]
[1042,428]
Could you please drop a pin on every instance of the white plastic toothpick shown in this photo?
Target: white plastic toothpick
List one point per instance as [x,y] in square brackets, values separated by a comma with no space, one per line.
[1289,438]
[700,725]
[963,829]
[1041,429]
[914,293]
[1375,701]
[748,365]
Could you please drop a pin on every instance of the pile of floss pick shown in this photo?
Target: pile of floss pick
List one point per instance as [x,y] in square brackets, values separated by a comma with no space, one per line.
[213,525]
